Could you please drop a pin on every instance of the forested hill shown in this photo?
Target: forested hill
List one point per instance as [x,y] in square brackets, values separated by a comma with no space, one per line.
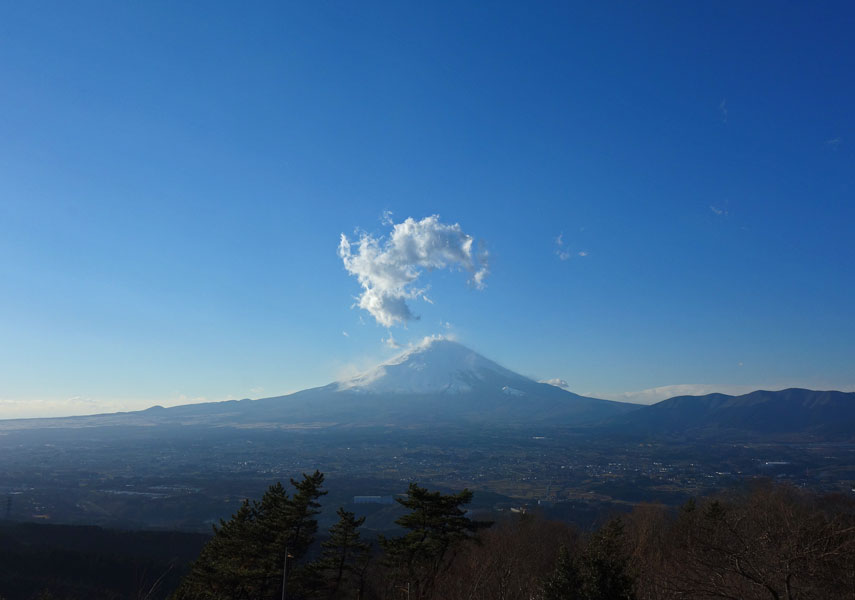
[763,541]
[790,412]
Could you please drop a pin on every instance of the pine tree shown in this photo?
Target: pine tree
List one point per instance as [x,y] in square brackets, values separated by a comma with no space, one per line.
[302,510]
[225,568]
[563,583]
[245,557]
[604,565]
[437,526]
[599,572]
[299,534]
[344,557]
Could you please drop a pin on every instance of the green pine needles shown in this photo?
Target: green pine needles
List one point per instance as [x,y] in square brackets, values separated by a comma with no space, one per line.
[246,557]
[437,525]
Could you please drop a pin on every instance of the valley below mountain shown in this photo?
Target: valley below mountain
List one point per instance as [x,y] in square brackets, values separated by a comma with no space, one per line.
[439,414]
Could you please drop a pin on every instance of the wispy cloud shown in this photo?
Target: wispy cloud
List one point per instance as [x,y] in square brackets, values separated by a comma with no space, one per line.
[388,269]
[345,334]
[563,252]
[833,143]
[391,342]
[721,212]
[560,251]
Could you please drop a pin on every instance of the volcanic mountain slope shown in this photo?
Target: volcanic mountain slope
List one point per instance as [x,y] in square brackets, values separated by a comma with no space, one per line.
[436,382]
[440,381]
[799,412]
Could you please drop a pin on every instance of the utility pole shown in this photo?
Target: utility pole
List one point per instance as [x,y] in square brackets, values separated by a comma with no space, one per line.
[285,573]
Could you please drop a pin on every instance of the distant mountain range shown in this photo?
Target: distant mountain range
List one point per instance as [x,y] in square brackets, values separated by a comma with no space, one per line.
[820,414]
[442,383]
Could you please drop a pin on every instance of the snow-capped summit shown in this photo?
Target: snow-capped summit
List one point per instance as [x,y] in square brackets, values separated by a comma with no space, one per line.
[437,365]
[440,380]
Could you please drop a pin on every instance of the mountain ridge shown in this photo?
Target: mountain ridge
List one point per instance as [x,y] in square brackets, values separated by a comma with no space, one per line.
[436,382]
[792,411]
[441,383]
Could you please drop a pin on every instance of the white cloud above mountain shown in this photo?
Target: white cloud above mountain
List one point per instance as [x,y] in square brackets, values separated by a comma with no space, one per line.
[389,269]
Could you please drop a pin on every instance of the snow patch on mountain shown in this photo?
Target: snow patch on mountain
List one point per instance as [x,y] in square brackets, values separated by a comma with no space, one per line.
[512,391]
[437,365]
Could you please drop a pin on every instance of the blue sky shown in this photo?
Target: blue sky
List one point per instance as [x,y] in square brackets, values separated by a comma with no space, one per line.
[175,179]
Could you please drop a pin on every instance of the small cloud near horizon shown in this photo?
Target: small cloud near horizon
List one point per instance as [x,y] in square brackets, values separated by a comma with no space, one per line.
[657,394]
[557,382]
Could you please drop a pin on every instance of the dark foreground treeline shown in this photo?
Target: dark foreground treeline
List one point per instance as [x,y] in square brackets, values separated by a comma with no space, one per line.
[767,541]
[80,562]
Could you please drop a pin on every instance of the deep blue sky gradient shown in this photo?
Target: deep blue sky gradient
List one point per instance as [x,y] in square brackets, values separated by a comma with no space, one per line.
[174,178]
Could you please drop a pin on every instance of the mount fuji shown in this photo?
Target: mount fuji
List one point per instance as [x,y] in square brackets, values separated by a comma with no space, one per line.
[436,382]
[436,366]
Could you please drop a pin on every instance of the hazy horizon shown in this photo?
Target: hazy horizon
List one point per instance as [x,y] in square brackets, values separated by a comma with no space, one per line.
[640,397]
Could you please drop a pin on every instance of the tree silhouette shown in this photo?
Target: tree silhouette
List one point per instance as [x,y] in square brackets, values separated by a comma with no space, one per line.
[563,583]
[437,526]
[245,558]
[599,572]
[345,557]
